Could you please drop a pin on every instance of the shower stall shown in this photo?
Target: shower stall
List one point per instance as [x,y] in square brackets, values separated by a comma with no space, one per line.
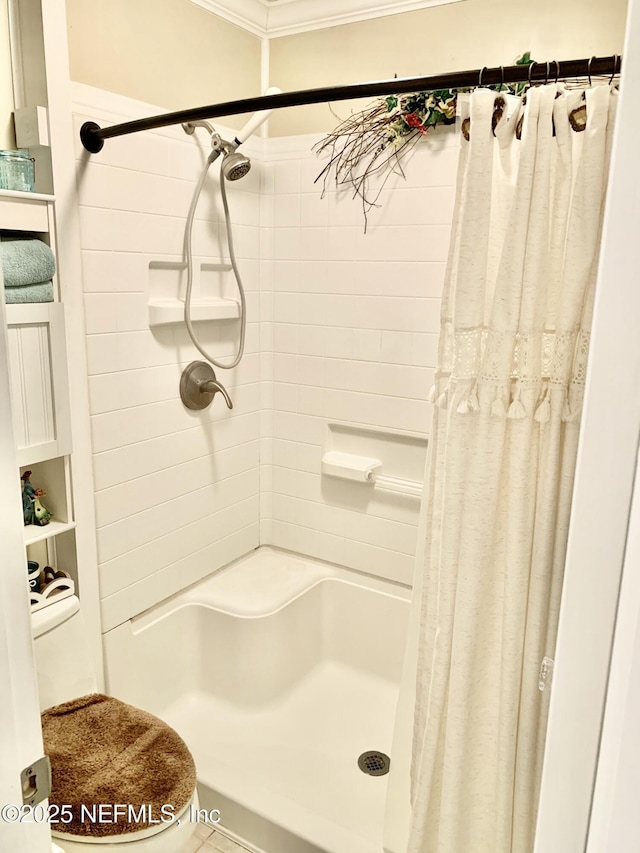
[281,668]
[248,566]
[276,538]
[287,671]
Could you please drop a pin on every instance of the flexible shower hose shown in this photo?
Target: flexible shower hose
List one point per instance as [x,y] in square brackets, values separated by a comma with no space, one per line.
[188,251]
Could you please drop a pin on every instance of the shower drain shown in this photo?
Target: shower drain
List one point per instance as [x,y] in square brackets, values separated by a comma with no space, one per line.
[374,763]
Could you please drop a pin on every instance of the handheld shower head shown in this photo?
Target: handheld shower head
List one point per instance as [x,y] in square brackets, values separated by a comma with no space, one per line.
[256,119]
[235,165]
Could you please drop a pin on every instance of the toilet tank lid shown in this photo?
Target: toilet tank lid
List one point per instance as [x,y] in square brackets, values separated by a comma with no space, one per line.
[53,615]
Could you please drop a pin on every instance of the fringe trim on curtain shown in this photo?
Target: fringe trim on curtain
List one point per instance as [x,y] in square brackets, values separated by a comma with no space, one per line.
[517,410]
[543,412]
[443,402]
[501,407]
[498,408]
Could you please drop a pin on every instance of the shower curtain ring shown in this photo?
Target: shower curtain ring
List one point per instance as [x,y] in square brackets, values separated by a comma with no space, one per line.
[501,78]
[557,64]
[482,70]
[615,65]
[531,64]
[589,70]
[546,74]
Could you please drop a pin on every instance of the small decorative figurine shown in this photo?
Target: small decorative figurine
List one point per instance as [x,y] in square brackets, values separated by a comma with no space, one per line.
[41,514]
[33,512]
[28,492]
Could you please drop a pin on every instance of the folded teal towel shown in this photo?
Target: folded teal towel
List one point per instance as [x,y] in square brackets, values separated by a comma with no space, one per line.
[42,292]
[25,260]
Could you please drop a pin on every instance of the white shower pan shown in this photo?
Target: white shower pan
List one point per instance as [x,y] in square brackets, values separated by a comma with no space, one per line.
[278,671]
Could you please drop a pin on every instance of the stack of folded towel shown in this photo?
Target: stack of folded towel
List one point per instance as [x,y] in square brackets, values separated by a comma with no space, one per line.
[28,266]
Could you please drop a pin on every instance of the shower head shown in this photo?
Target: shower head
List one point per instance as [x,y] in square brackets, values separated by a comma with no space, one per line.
[235,165]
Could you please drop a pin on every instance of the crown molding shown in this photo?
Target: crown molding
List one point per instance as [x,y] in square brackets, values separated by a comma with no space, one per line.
[287,17]
[251,15]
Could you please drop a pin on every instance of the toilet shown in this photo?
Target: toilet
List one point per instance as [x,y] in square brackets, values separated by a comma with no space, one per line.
[75,740]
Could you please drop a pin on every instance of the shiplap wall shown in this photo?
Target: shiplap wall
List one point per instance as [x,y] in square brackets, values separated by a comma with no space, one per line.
[177,492]
[353,327]
[342,330]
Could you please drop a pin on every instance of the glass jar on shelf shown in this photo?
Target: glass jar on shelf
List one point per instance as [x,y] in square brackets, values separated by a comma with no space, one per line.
[17,170]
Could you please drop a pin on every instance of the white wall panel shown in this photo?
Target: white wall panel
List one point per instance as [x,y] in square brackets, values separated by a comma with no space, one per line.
[342,330]
[177,492]
[355,323]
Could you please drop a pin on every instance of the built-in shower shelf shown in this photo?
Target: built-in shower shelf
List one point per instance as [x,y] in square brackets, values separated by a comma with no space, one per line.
[163,312]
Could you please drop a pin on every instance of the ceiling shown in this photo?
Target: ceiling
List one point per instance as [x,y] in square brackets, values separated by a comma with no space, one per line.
[273,18]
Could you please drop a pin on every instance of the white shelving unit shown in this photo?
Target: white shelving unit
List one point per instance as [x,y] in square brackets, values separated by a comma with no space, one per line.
[36,343]
[40,77]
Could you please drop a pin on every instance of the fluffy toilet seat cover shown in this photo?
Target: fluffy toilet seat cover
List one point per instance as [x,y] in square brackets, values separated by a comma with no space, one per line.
[104,752]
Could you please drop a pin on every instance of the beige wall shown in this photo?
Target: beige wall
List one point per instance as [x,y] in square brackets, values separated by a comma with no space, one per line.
[443,38]
[170,53]
[7,138]
[174,54]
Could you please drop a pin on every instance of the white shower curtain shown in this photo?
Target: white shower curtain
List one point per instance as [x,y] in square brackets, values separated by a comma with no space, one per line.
[514,340]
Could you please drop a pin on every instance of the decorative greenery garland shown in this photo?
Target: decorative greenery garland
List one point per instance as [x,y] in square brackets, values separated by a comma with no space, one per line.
[373,141]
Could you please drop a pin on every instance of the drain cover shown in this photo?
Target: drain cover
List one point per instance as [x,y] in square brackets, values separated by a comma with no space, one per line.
[374,763]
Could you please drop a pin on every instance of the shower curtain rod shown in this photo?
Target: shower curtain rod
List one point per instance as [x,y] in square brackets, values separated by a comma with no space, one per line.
[93,136]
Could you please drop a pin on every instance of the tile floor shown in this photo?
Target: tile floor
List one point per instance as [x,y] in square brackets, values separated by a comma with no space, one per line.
[206,839]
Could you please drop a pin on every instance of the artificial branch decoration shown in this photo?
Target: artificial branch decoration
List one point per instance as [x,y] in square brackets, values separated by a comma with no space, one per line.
[372,142]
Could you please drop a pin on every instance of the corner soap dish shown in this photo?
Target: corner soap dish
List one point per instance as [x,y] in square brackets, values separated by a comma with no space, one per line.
[59,586]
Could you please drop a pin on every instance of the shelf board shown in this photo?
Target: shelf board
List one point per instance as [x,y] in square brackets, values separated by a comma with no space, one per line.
[163,312]
[15,194]
[33,533]
[21,313]
[24,211]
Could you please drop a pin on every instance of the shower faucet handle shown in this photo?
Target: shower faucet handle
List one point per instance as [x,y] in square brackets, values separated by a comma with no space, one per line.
[212,386]
[198,386]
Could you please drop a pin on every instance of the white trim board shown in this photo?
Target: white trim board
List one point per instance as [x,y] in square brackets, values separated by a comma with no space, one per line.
[273,18]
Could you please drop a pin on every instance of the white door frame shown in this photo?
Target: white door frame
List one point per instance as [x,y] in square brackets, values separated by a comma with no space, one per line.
[602,495]
[615,817]
[20,729]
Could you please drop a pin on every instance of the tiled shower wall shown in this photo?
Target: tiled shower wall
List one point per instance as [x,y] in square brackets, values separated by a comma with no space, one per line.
[342,330]
[352,321]
[174,500]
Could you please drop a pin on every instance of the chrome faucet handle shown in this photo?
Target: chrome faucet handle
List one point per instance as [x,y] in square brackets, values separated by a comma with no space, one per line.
[198,386]
[212,386]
